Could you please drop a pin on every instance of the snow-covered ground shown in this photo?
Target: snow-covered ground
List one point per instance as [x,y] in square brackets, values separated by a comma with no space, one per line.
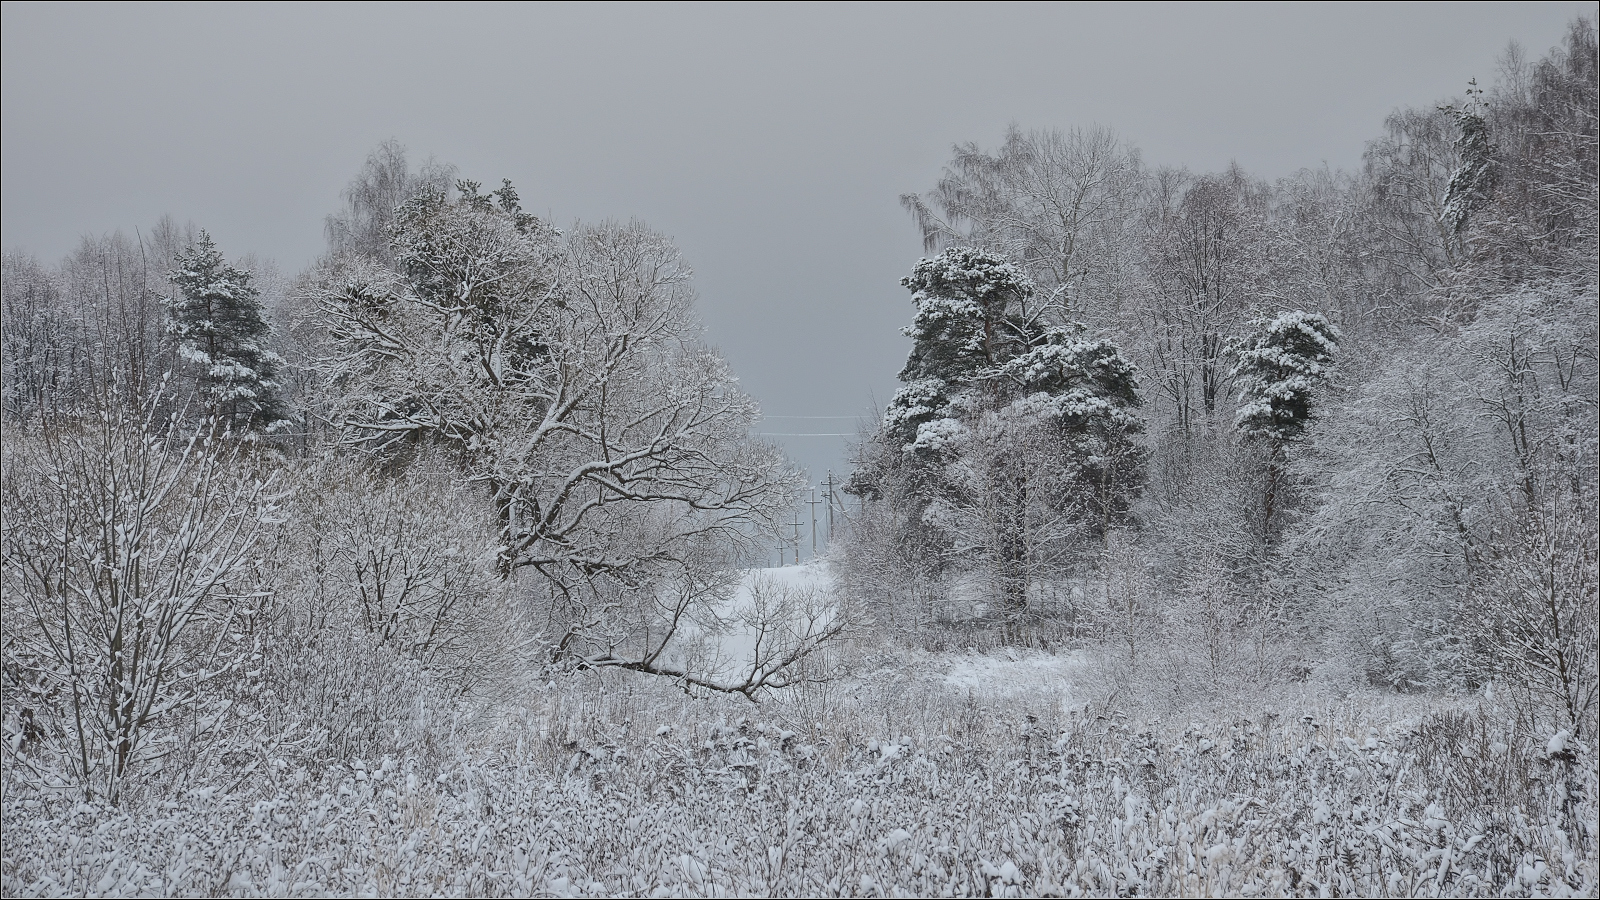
[914,773]
[769,611]
[1011,671]
[813,575]
[736,639]
[730,642]
[614,784]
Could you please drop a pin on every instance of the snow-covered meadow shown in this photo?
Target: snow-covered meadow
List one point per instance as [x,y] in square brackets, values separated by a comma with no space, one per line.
[970,775]
[747,635]
[1010,772]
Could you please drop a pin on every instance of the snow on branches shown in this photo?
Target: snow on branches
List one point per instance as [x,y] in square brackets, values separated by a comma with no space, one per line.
[1017,426]
[564,374]
[215,320]
[1279,368]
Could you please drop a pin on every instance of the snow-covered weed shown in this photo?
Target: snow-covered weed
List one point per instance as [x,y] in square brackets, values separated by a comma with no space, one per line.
[615,785]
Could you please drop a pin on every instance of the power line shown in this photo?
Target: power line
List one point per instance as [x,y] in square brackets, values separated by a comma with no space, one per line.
[804,433]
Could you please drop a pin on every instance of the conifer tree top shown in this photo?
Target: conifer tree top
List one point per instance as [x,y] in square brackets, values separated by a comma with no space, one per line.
[215,320]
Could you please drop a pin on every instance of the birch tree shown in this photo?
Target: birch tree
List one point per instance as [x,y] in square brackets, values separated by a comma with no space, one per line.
[1059,203]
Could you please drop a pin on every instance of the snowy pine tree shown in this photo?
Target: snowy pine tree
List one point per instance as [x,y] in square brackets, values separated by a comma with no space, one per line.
[1015,429]
[216,322]
[1279,368]
[1473,181]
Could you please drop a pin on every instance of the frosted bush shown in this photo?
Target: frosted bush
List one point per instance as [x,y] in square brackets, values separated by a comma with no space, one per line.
[614,786]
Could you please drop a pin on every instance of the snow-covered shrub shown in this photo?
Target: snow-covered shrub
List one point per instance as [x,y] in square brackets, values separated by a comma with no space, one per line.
[609,785]
[127,586]
[407,561]
[390,619]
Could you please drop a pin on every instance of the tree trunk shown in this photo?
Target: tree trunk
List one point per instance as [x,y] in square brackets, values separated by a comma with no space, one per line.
[1014,559]
[1275,461]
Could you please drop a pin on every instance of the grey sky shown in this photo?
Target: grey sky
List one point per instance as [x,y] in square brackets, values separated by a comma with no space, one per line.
[770,142]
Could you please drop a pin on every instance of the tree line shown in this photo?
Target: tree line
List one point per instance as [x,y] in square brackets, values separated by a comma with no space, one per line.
[1240,428]
[463,448]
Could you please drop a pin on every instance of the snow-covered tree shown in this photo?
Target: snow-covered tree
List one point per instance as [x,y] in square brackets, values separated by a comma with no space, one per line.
[38,338]
[565,375]
[1279,370]
[1202,269]
[1407,176]
[372,198]
[1018,426]
[1473,180]
[125,567]
[215,320]
[90,332]
[1458,518]
[1060,203]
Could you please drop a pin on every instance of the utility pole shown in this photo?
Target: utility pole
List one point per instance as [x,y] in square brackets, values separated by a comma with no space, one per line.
[813,501]
[829,496]
[797,538]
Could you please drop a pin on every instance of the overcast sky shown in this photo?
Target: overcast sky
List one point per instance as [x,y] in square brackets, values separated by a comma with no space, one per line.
[771,142]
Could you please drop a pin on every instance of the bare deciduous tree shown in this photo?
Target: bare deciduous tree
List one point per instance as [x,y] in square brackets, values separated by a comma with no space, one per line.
[1059,203]
[565,374]
[122,542]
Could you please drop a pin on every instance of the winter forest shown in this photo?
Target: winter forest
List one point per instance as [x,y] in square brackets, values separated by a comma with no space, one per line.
[1224,537]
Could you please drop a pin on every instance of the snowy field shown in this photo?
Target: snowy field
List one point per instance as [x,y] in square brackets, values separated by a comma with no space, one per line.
[727,642]
[1002,774]
[1014,672]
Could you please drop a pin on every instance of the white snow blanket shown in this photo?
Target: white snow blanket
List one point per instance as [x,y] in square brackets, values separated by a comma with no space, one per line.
[771,614]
